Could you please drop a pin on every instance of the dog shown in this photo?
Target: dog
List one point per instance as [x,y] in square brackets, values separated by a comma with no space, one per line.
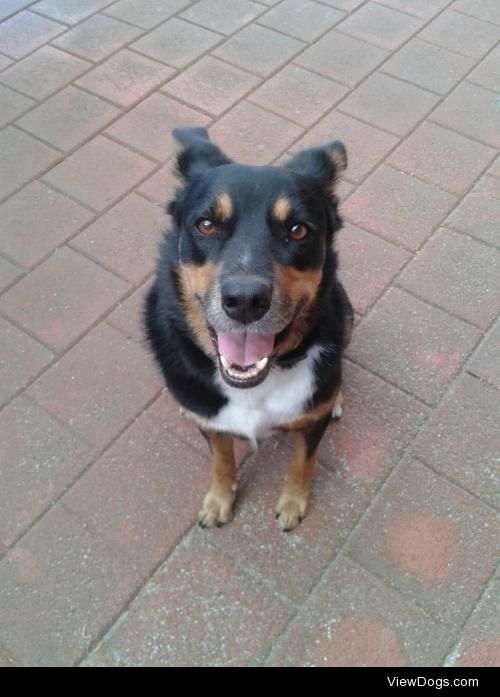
[246,317]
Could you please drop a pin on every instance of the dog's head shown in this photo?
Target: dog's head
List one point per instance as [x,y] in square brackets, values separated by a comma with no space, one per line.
[252,249]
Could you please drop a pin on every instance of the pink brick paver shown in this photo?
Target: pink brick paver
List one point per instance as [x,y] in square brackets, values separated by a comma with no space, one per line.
[101,479]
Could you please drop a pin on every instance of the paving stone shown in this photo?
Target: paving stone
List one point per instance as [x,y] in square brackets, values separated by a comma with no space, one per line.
[487,73]
[478,213]
[259,49]
[99,173]
[212,85]
[388,103]
[98,386]
[37,219]
[301,19]
[442,157]
[177,42]
[26,31]
[398,207]
[66,577]
[430,540]
[486,360]
[9,7]
[145,13]
[146,520]
[23,158]
[21,358]
[298,95]
[459,274]
[198,609]
[428,66]
[97,37]
[353,620]
[346,5]
[125,77]
[460,33]
[495,168]
[147,126]
[427,346]
[160,187]
[62,298]
[342,58]
[127,317]
[366,146]
[40,459]
[261,136]
[360,446]
[472,110]
[223,17]
[419,8]
[487,9]
[380,25]
[8,273]
[69,11]
[12,105]
[167,411]
[4,62]
[367,265]
[44,72]
[125,239]
[479,645]
[460,440]
[68,118]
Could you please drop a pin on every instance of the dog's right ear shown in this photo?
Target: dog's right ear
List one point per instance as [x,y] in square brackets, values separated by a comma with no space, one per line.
[196,153]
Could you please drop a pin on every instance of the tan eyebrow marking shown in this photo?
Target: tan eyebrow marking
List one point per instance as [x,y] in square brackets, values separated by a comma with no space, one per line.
[281,209]
[223,206]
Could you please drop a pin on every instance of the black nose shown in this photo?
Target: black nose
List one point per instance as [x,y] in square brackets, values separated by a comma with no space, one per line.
[246,300]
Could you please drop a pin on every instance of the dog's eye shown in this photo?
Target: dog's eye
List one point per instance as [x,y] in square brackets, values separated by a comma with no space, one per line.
[298,231]
[205,226]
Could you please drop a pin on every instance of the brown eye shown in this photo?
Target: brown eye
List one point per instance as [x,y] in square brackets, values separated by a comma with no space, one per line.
[206,226]
[298,231]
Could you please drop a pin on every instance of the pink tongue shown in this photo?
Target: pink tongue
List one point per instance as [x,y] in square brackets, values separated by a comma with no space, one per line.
[244,349]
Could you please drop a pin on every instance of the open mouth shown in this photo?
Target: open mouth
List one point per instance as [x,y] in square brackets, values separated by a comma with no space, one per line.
[245,359]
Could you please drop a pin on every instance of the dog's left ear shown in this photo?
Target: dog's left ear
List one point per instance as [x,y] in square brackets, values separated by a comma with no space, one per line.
[196,153]
[325,164]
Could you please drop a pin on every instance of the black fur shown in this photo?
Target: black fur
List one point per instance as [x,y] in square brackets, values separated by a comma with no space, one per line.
[307,181]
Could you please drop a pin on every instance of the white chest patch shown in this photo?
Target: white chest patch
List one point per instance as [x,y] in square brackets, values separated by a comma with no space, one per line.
[257,411]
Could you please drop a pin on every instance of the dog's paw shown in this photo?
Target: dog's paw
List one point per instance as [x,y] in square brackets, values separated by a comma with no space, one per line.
[290,511]
[217,509]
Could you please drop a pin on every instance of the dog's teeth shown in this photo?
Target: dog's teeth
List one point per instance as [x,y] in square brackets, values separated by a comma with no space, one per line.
[225,362]
[260,365]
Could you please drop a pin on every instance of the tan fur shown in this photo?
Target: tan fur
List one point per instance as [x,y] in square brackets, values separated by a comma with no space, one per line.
[315,414]
[292,504]
[223,207]
[281,209]
[298,287]
[218,503]
[195,281]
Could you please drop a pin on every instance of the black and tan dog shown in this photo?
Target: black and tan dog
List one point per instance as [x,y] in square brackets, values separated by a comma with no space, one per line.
[246,317]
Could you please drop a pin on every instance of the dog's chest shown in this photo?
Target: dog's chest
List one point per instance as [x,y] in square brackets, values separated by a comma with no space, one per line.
[256,412]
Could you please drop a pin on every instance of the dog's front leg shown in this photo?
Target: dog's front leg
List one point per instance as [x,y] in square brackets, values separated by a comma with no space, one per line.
[219,501]
[292,504]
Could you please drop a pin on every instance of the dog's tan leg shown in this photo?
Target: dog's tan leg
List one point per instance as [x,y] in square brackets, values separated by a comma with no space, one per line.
[292,504]
[219,501]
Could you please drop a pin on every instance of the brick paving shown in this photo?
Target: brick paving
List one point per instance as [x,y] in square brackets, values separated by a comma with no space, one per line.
[101,562]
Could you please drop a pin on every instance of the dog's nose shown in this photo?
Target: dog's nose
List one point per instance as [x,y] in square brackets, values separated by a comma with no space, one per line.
[246,300]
